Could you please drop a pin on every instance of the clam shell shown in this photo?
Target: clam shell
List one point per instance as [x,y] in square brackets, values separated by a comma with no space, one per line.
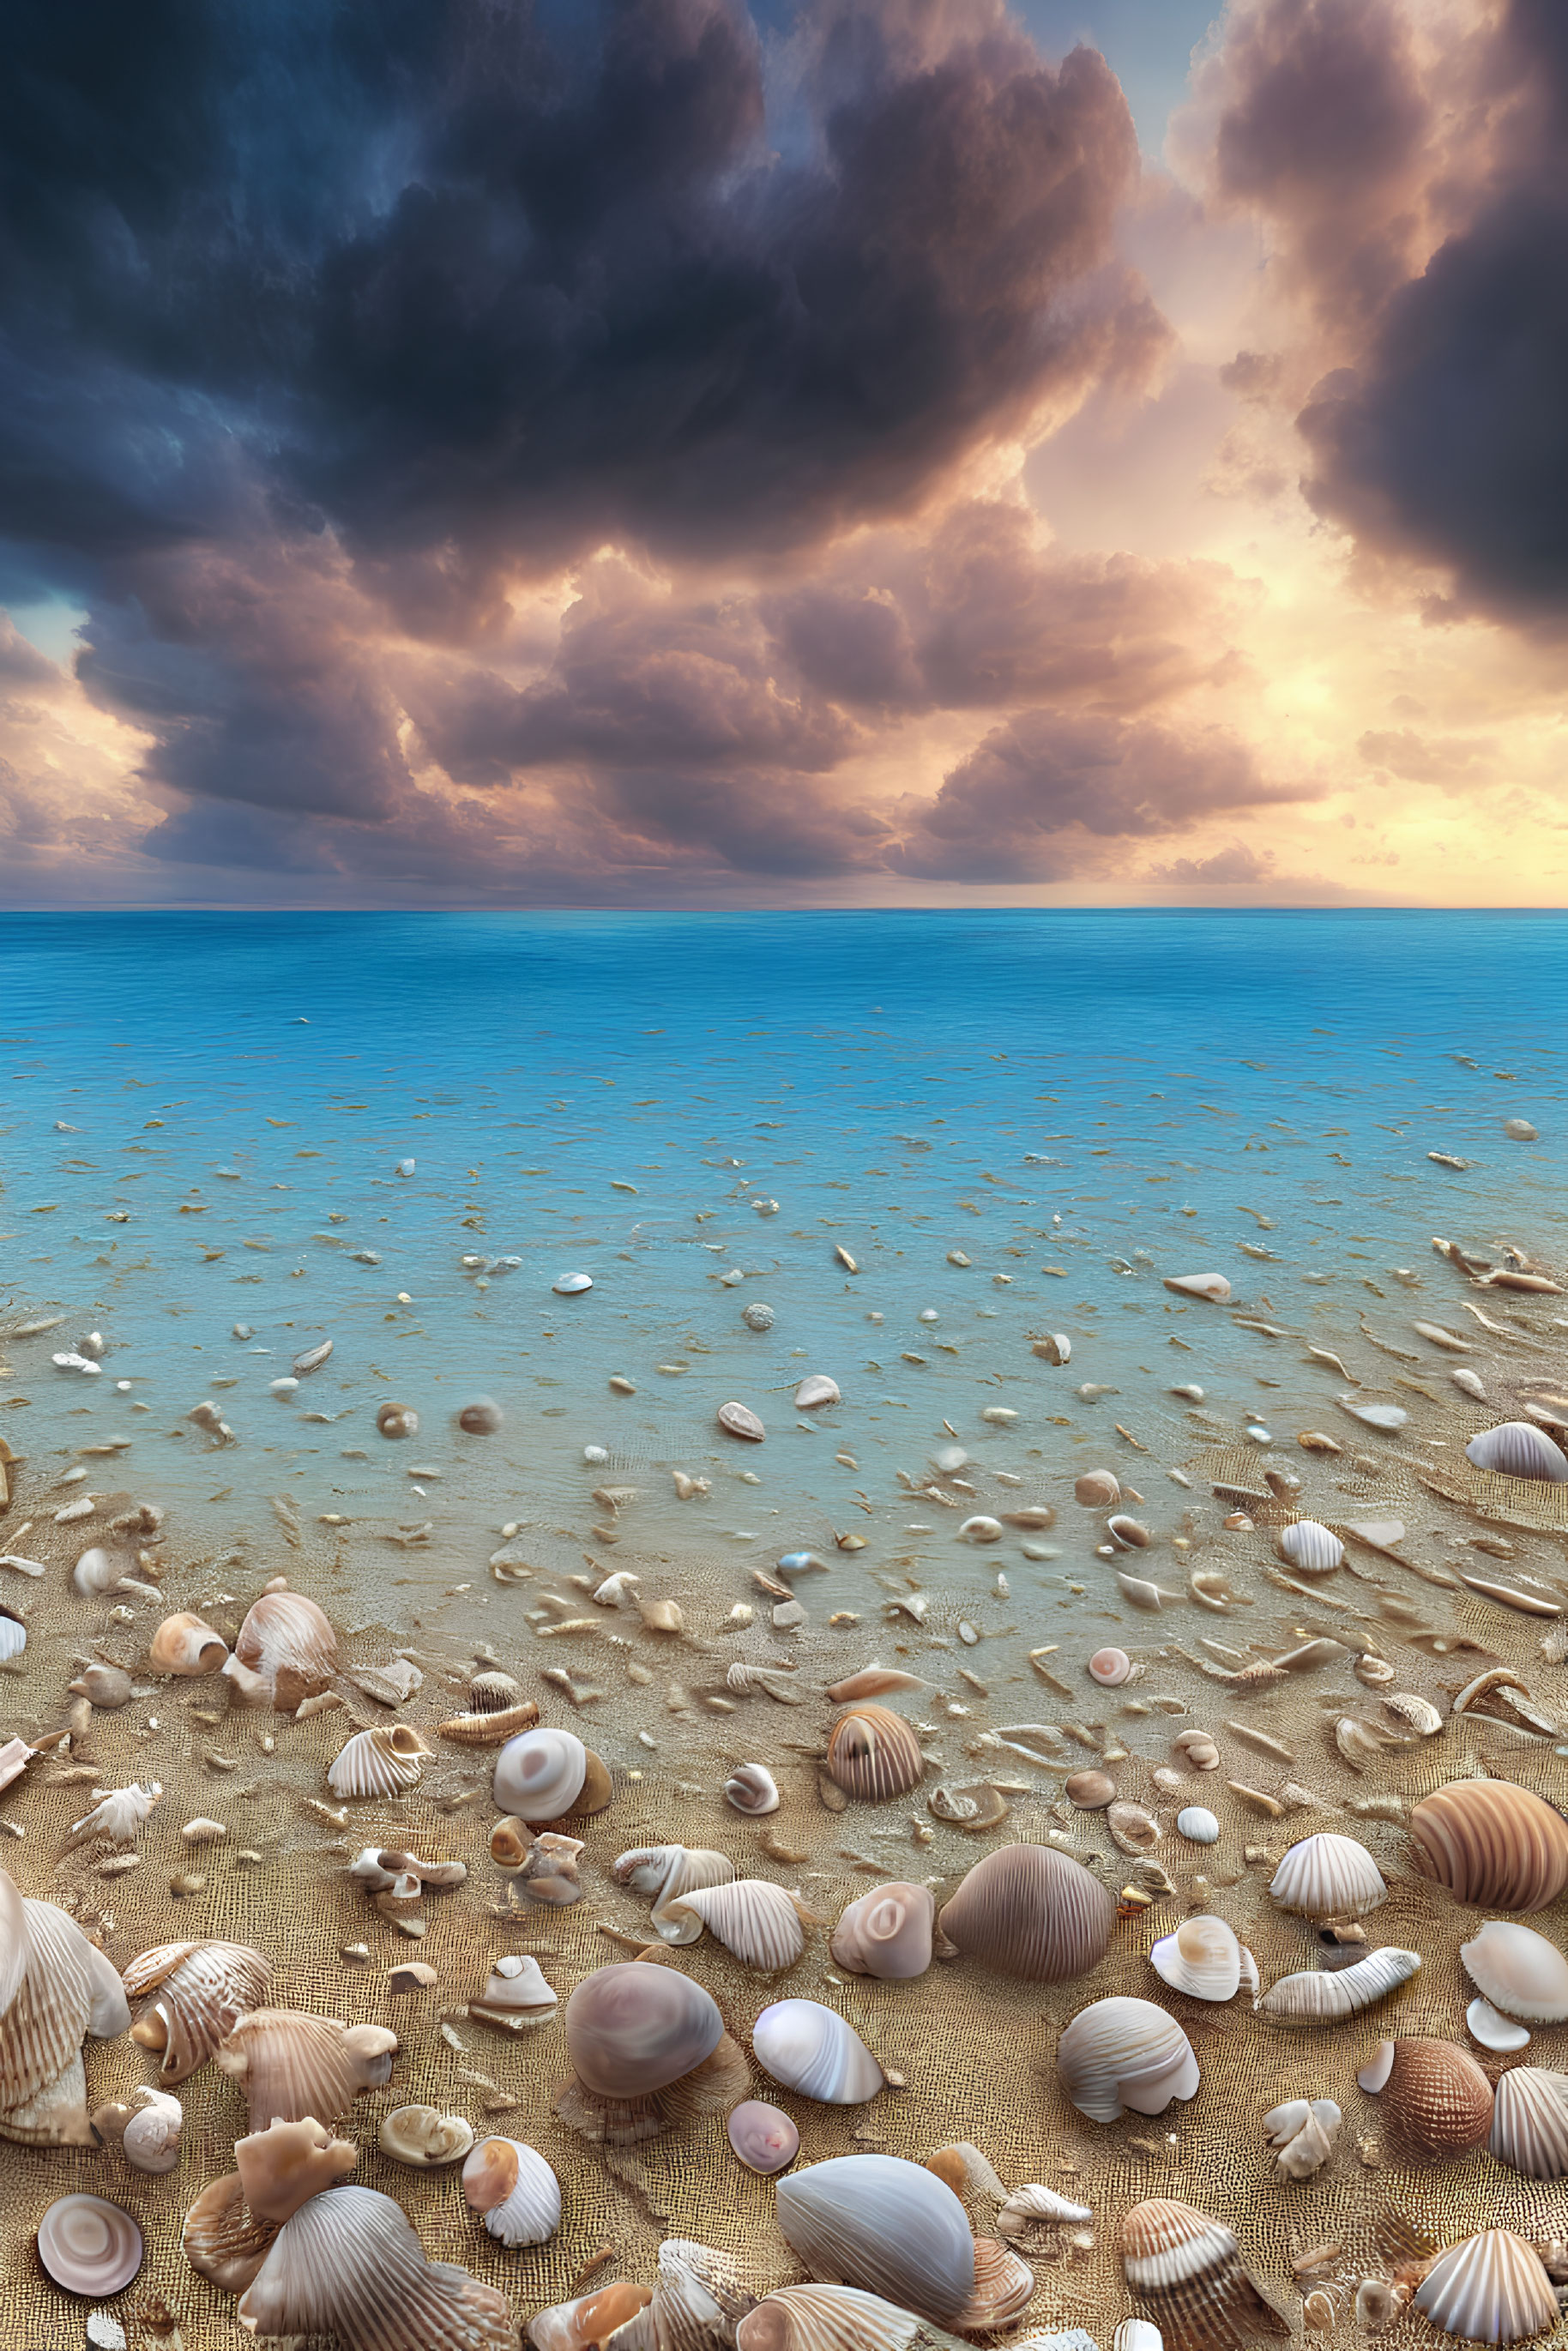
[1212,1286]
[751,1788]
[296,2066]
[886,2226]
[515,2189]
[1028,1910]
[1312,1549]
[384,1762]
[887,1933]
[589,2320]
[1202,1959]
[874,1755]
[1519,1972]
[1491,2029]
[289,1644]
[740,1420]
[1492,1843]
[184,1644]
[753,1918]
[1328,1876]
[1327,1998]
[193,1995]
[812,2049]
[665,1872]
[763,2136]
[515,1991]
[1189,2269]
[348,2264]
[543,1774]
[816,1389]
[1492,2289]
[1519,1449]
[1530,2122]
[631,2030]
[1122,2052]
[1198,1824]
[89,2246]
[1437,2100]
[423,2137]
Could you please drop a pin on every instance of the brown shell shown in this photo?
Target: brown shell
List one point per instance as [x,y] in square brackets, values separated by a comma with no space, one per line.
[1188,2268]
[1437,2100]
[487,1728]
[222,2238]
[874,1755]
[1029,1910]
[1492,1843]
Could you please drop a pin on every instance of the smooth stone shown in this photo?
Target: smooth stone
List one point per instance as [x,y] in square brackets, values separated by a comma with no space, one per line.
[572,1285]
[1198,1825]
[1090,1791]
[1518,1129]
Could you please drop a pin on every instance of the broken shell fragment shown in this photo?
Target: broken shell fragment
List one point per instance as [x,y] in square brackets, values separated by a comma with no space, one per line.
[515,2190]
[88,2246]
[812,2049]
[1492,2030]
[763,2136]
[1132,1829]
[591,2320]
[515,1994]
[423,2137]
[1122,2052]
[1302,2134]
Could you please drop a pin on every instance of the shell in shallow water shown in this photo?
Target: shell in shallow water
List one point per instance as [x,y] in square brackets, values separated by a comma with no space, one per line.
[810,2049]
[1211,1286]
[193,1995]
[753,1918]
[1202,1959]
[544,1774]
[874,1755]
[887,1933]
[512,2186]
[1520,1971]
[1492,2289]
[889,2227]
[296,2067]
[1492,1843]
[288,1643]
[1438,2101]
[348,2264]
[1122,2052]
[1327,1998]
[1530,2122]
[89,2245]
[1519,1449]
[763,2136]
[1188,2269]
[384,1762]
[1028,1910]
[1328,1876]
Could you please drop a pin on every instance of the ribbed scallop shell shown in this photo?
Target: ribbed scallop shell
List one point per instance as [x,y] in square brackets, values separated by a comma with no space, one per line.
[89,2246]
[1202,1959]
[1189,2269]
[632,2029]
[887,1933]
[889,2227]
[1492,1843]
[541,1774]
[193,1995]
[812,2049]
[665,1872]
[1312,1549]
[754,1919]
[1328,1876]
[1530,2122]
[295,2066]
[1492,2289]
[1028,1910]
[1123,2053]
[348,2264]
[1437,2100]
[290,1643]
[67,1991]
[1519,1972]
[1329,1997]
[512,2186]
[384,1762]
[1517,1449]
[874,1755]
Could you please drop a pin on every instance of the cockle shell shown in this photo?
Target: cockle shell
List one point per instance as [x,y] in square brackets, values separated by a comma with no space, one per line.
[1188,2268]
[763,2136]
[89,2246]
[1328,1876]
[740,1420]
[874,1755]
[383,1762]
[1519,1972]
[751,1788]
[755,1920]
[544,1774]
[1301,2133]
[423,2137]
[1202,1959]
[296,2066]
[348,2264]
[184,1644]
[589,2320]
[1329,1997]
[887,1933]
[1437,2100]
[147,2133]
[1029,1910]
[1121,2052]
[1519,1449]
[1312,1549]
[55,1988]
[1530,2122]
[886,2226]
[193,1995]
[665,1872]
[812,2049]
[1492,1843]
[512,2186]
[1492,2289]
[289,1645]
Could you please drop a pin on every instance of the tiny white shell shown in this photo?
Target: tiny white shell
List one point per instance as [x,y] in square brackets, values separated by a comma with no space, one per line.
[1385,1416]
[1212,1286]
[812,2049]
[1198,1824]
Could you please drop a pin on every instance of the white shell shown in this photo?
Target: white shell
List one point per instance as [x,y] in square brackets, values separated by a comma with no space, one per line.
[1202,1959]
[1328,1997]
[667,1872]
[753,1918]
[1328,1876]
[515,1987]
[1137,2335]
[980,1529]
[1212,1286]
[1302,2132]
[1492,2031]
[740,1420]
[810,2049]
[571,1285]
[1517,1449]
[1519,1972]
[1122,2052]
[529,2214]
[1312,1549]
[1530,2122]
[816,1389]
[1035,2202]
[1385,1417]
[151,2138]
[751,1788]
[885,2225]
[423,2137]
[97,1571]
[1492,2289]
[1198,1824]
[540,1774]
[13,1636]
[380,1762]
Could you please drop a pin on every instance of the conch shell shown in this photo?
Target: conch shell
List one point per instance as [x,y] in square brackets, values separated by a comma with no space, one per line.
[193,1995]
[296,2066]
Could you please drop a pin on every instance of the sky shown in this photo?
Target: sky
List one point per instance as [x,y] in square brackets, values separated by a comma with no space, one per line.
[727,453]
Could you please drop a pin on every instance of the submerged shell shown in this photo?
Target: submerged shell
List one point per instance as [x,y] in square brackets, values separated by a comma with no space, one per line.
[1530,2122]
[1328,1876]
[1519,1449]
[512,2186]
[763,2136]
[1328,1997]
[543,1774]
[384,1762]
[288,1643]
[1312,1549]
[1188,2268]
[1492,2289]
[1212,1286]
[348,2264]
[751,1788]
[296,2066]
[89,2245]
[193,1995]
[889,2227]
[1438,2101]
[1519,1972]
[874,1755]
[631,2029]
[1202,1959]
[1492,1843]
[887,1933]
[1029,1910]
[812,2049]
[753,1918]
[1121,2052]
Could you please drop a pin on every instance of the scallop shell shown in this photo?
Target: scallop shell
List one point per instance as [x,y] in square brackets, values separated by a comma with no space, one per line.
[1492,2289]
[1189,2269]
[1328,1876]
[89,2246]
[1519,1972]
[887,1933]
[812,2049]
[1519,1449]
[753,1918]
[1437,2100]
[184,1644]
[763,2136]
[193,1995]
[1530,2122]
[296,2066]
[1202,1959]
[515,2189]
[57,1988]
[1029,1910]
[423,2137]
[751,1788]
[874,1755]
[384,1762]
[1122,2052]
[1327,1998]
[1492,1845]
[886,2226]
[589,2320]
[1312,1549]
[544,1774]
[288,1643]
[348,2264]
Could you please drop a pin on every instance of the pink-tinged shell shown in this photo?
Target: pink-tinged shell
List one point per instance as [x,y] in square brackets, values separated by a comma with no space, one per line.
[1492,1843]
[1029,1910]
[89,2246]
[873,1681]
[887,1933]
[829,2318]
[1110,1668]
[515,2190]
[632,2029]
[763,2136]
[184,1644]
[290,1643]
[589,2321]
[349,2265]
[298,2066]
[193,1995]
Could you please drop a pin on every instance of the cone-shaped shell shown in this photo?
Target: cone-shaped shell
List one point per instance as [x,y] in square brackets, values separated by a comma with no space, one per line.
[753,1918]
[298,2066]
[1202,1959]
[1492,1843]
[763,2136]
[1312,1549]
[1123,2053]
[1438,2101]
[184,1644]
[812,2049]
[887,1933]
[889,2227]
[545,1774]
[1329,1997]
[874,1755]
[515,2190]
[1188,2269]
[1519,1972]
[631,2030]
[665,1872]
[289,1644]
[193,1995]
[1492,2289]
[349,2265]
[1519,1449]
[1028,1910]
[89,2246]
[1530,2122]
[385,1762]
[1328,1876]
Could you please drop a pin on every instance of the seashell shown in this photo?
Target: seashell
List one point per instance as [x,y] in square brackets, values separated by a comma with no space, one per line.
[763,2136]
[148,2134]
[1302,2132]
[1198,1824]
[1312,1549]
[873,1681]
[591,2320]
[1530,2122]
[296,2067]
[515,2189]
[1122,2052]
[1097,1489]
[571,1285]
[1518,1971]
[886,2226]
[810,2049]
[1388,1418]
[1189,2269]
[1196,1748]
[1519,1449]
[1469,1384]
[550,1870]
[480,1728]
[973,1810]
[1492,1843]
[1029,1910]
[105,1687]
[1493,2288]
[88,2246]
[1127,1534]
[117,1813]
[55,1988]
[380,1762]
[751,1788]
[516,1994]
[665,1872]
[1132,1829]
[980,1529]
[1419,1713]
[287,1644]
[544,1774]
[698,2299]
[753,1918]
[1091,1790]
[648,2047]
[397,1421]
[1499,1694]
[313,1359]
[193,1995]
[874,1755]
[1212,1286]
[1110,1668]
[1437,2100]
[1328,1876]
[481,1417]
[1137,2335]
[348,2264]
[184,1644]
[423,2137]
[98,1571]
[740,1420]
[509,1842]
[816,1389]
[887,1933]
[1202,1959]
[1033,2203]
[1329,1997]
[1492,2030]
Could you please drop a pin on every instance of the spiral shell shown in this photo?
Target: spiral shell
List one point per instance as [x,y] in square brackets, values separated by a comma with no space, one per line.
[1530,2122]
[1202,1959]
[1028,1910]
[184,1644]
[886,2226]
[1437,2100]
[384,1762]
[1519,1449]
[1123,2053]
[1189,2269]
[1519,1972]
[423,2137]
[544,1774]
[812,2049]
[193,1995]
[89,2245]
[296,2066]
[753,1918]
[348,2264]
[1327,1998]
[751,1788]
[887,1932]
[1492,1843]
[515,2189]
[1492,2289]
[874,1755]
[763,2136]
[1328,1876]
[288,1643]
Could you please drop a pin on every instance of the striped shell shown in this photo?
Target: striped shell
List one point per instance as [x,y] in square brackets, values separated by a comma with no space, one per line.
[1122,2052]
[512,2186]
[1437,2100]
[1517,1449]
[754,1919]
[593,2319]
[296,2066]
[348,2264]
[887,1933]
[665,1872]
[829,2318]
[193,1995]
[874,1756]
[751,1788]
[1029,1910]
[889,2227]
[1328,1876]
[1188,2268]
[57,1988]
[289,1644]
[812,2049]
[384,1762]
[1492,1843]
[1520,1971]
[1530,2122]
[1312,1549]
[1492,2289]
[482,1727]
[1327,1998]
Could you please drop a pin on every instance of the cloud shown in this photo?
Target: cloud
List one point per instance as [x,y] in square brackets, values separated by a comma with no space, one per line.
[1239,862]
[1421,760]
